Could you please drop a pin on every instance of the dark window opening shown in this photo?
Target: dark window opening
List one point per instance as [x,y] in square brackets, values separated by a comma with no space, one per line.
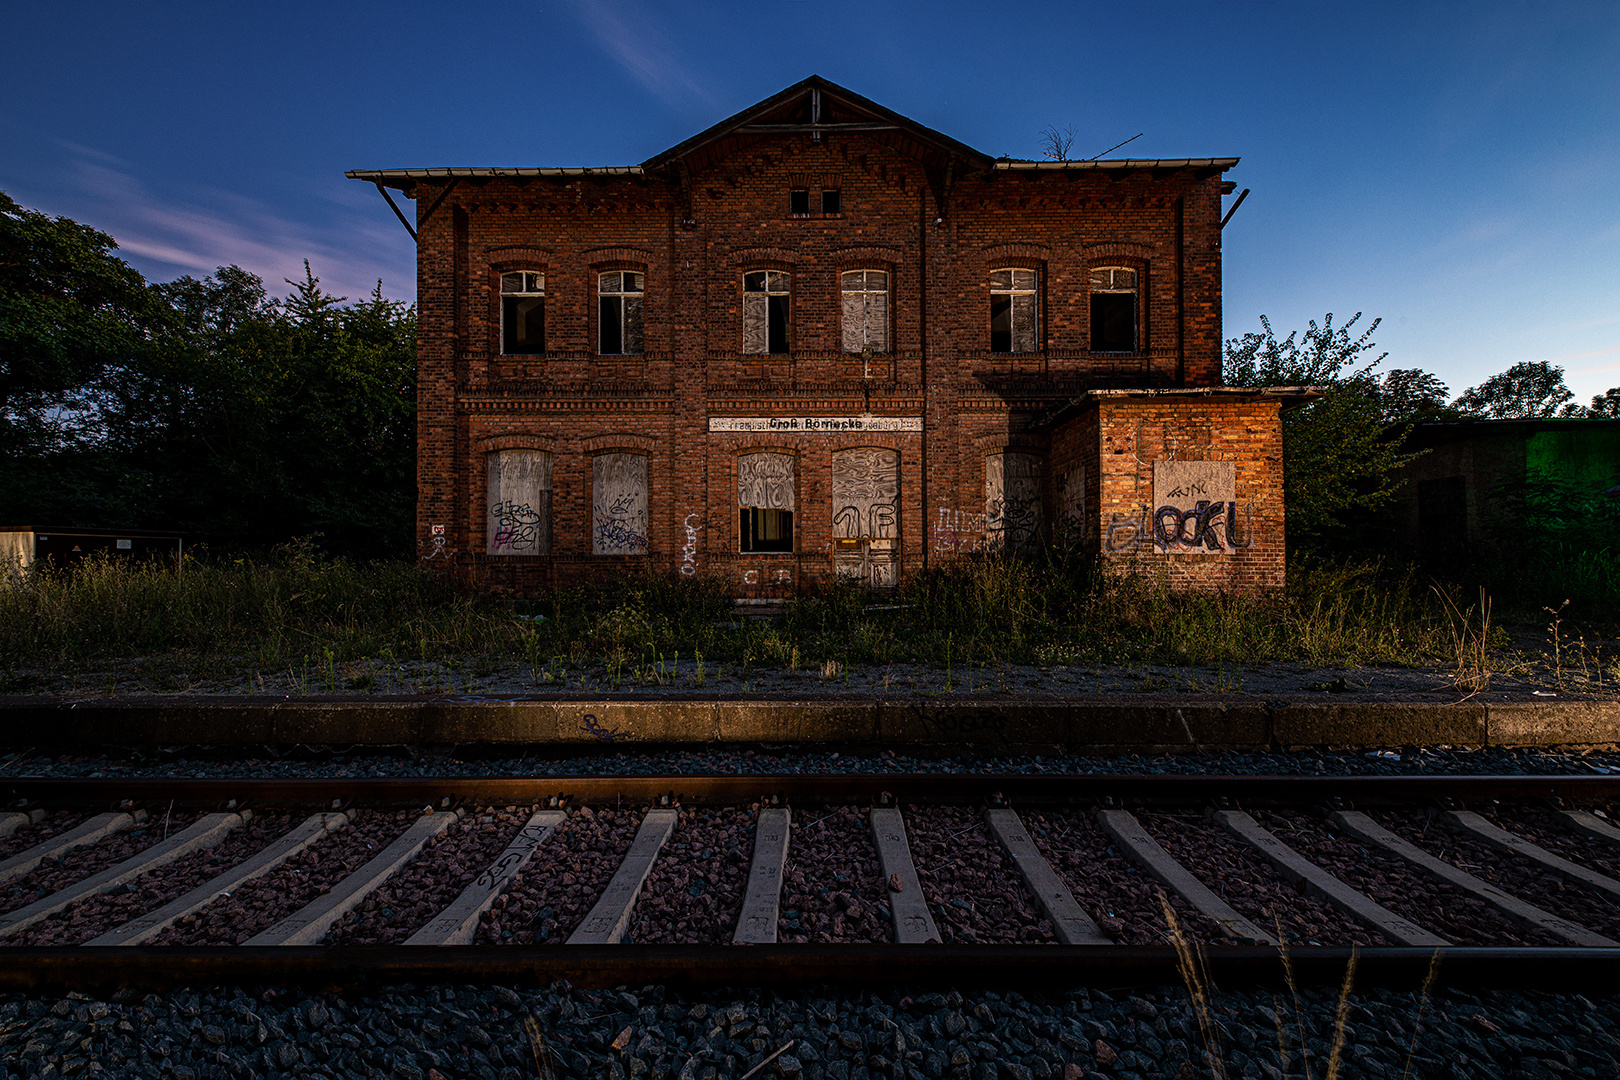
[799,201]
[523,313]
[831,202]
[766,530]
[1113,322]
[765,312]
[777,311]
[1001,324]
[620,307]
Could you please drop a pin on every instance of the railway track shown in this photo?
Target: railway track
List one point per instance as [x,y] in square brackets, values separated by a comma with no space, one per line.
[870,879]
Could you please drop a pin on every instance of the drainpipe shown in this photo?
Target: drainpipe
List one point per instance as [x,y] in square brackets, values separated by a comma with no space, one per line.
[1181,274]
[922,329]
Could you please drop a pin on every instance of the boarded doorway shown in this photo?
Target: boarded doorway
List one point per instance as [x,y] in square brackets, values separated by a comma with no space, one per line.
[866,515]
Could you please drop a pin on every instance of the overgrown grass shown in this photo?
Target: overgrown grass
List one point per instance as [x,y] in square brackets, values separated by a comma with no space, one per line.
[296,609]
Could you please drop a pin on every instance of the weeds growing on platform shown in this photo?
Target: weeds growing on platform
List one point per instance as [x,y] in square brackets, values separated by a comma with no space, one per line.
[298,612]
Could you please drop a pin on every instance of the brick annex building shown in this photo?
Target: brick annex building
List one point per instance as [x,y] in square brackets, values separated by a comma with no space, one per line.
[820,338]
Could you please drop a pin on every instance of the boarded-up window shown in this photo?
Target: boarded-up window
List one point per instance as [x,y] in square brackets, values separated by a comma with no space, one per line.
[619,302]
[866,311]
[1113,309]
[765,312]
[866,493]
[619,504]
[523,313]
[765,502]
[1071,506]
[518,499]
[1014,308]
[1012,501]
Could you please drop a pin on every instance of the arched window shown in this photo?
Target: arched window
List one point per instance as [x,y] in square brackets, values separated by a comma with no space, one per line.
[523,313]
[1013,310]
[765,501]
[866,311]
[619,305]
[1113,309]
[765,311]
[518,499]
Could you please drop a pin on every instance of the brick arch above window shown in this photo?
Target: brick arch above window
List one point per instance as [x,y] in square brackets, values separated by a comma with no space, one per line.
[1014,444]
[602,257]
[500,256]
[628,443]
[1010,254]
[1093,253]
[770,444]
[517,441]
[856,258]
[759,258]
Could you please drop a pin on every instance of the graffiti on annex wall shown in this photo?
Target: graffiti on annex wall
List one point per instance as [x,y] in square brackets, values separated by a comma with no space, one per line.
[866,493]
[1071,506]
[1194,510]
[1012,501]
[619,504]
[518,501]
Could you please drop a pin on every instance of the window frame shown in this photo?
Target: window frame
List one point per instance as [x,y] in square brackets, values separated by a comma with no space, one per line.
[888,310]
[785,307]
[1093,312]
[750,517]
[525,275]
[1011,292]
[623,297]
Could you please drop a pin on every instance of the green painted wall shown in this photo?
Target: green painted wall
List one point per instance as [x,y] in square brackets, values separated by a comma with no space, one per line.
[1589,455]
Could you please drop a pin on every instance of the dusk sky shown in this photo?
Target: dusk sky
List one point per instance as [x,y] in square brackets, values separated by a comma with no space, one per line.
[1452,168]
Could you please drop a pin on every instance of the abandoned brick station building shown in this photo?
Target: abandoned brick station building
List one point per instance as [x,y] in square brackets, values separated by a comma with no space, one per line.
[820,338]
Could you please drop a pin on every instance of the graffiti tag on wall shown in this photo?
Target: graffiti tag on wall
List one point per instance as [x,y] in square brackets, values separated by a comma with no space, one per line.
[518,496]
[1194,510]
[689,549]
[619,504]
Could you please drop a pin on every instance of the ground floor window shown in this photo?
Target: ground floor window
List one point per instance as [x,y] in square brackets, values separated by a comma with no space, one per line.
[765,502]
[619,504]
[518,503]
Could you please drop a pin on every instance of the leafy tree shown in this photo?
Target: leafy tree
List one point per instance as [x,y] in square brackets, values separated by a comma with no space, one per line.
[1341,450]
[1530,389]
[1606,404]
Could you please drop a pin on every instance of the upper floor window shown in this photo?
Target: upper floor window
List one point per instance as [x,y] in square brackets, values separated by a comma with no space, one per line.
[866,311]
[523,313]
[619,301]
[799,201]
[832,201]
[1113,309]
[1013,309]
[765,311]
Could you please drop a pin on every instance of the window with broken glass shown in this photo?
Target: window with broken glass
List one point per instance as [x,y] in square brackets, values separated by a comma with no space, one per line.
[1013,308]
[619,302]
[1113,309]
[765,311]
[523,313]
[866,311]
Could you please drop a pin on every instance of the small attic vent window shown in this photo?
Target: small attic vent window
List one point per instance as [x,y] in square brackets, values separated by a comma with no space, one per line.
[799,201]
[831,201]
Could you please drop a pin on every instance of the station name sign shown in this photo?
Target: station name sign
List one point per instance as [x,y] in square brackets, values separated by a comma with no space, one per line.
[829,425]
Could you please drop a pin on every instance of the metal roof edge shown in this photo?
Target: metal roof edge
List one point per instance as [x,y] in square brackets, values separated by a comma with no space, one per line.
[375,175]
[1126,163]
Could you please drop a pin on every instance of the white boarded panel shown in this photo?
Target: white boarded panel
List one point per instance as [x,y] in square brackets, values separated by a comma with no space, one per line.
[765,481]
[866,493]
[1012,501]
[519,503]
[1192,502]
[619,504]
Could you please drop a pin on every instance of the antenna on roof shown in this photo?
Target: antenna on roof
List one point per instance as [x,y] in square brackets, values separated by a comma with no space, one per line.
[1116,146]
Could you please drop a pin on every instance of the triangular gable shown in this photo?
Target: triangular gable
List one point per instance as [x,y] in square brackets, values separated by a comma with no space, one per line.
[812,106]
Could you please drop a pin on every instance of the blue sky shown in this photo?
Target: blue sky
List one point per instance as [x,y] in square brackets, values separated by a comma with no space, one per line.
[1450,168]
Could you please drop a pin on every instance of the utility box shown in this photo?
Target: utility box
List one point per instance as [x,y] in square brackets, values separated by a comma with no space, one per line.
[23,545]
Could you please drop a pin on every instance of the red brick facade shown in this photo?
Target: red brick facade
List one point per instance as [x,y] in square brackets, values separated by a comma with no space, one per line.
[1064,433]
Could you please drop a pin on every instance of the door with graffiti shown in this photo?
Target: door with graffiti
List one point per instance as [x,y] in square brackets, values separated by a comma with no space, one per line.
[866,515]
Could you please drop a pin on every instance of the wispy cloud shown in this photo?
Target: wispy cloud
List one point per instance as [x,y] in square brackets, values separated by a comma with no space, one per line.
[208,228]
[630,35]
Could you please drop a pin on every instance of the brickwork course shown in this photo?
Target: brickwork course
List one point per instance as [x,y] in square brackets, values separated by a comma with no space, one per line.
[1035,336]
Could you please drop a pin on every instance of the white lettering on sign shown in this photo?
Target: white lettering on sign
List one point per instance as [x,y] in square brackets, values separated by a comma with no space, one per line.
[828,425]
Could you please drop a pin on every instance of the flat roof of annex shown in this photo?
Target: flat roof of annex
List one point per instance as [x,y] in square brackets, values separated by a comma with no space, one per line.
[812,106]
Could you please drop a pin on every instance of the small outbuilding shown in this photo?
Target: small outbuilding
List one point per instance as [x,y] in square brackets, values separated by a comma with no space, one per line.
[23,545]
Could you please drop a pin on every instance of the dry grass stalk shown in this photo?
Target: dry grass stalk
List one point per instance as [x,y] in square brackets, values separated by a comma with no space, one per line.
[1470,646]
[1341,1015]
[1423,1003]
[1190,961]
[543,1066]
[1293,988]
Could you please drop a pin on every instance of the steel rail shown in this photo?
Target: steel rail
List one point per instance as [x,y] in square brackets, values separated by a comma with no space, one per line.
[1051,966]
[927,788]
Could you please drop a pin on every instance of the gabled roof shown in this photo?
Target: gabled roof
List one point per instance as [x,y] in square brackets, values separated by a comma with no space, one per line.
[817,105]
